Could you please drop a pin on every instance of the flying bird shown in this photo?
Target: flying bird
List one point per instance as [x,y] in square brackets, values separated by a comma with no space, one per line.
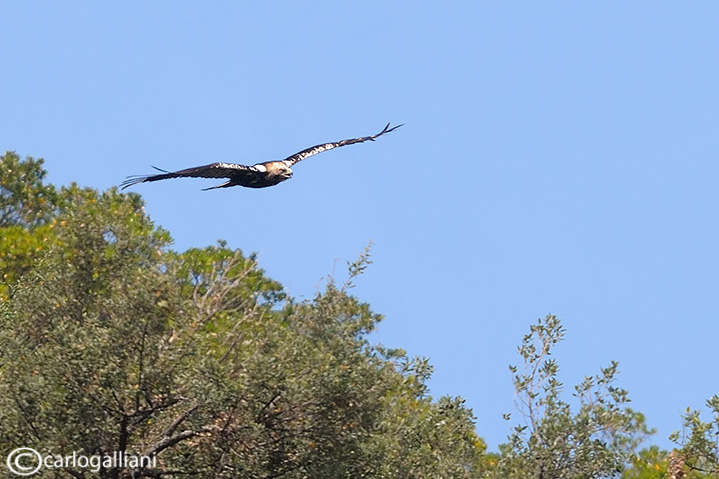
[260,175]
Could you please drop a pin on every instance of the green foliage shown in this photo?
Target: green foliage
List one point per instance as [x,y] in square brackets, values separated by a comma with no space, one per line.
[24,200]
[27,207]
[553,441]
[651,463]
[698,443]
[112,342]
[82,331]
[654,463]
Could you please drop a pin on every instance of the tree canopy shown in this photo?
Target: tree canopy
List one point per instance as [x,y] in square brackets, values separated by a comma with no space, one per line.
[111,341]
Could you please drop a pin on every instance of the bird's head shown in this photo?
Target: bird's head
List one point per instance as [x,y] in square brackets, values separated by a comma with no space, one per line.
[275,171]
[285,173]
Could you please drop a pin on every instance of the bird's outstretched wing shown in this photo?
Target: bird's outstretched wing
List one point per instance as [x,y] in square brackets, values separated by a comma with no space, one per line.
[291,160]
[214,170]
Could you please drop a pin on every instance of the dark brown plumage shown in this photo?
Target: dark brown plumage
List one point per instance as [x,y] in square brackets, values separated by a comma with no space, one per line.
[260,175]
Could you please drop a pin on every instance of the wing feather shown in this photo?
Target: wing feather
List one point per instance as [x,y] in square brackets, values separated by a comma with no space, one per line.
[214,170]
[304,154]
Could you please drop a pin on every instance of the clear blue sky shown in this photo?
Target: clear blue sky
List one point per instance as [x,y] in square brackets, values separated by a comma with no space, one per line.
[558,157]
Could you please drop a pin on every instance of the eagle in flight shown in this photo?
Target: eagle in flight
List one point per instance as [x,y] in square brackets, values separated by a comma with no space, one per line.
[260,175]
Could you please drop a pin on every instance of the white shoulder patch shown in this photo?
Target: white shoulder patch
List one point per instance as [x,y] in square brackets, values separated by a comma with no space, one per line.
[261,168]
[229,166]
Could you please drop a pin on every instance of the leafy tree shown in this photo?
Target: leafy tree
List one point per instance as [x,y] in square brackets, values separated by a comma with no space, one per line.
[698,443]
[696,455]
[24,199]
[27,208]
[555,442]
